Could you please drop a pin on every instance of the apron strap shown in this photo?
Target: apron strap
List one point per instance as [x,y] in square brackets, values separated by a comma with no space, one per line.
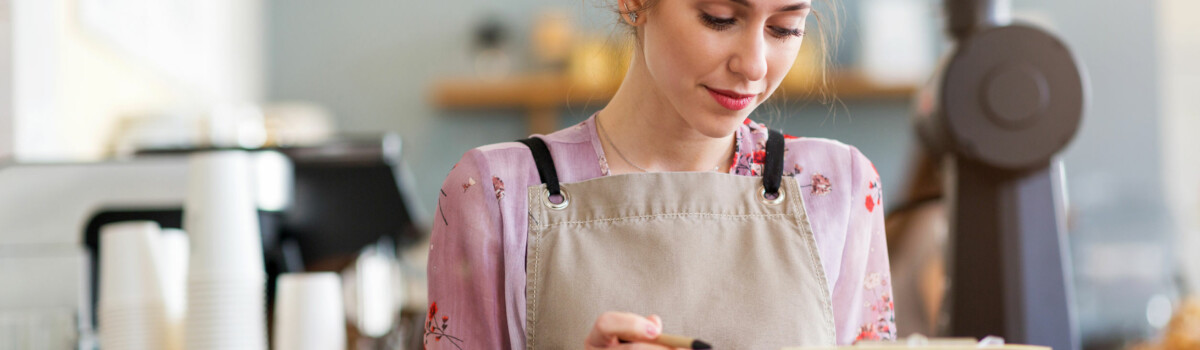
[773,169]
[545,163]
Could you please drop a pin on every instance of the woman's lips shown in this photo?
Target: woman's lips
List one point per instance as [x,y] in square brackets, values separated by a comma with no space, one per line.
[731,100]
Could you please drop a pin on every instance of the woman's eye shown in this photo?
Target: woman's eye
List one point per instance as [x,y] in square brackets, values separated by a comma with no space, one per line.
[716,23]
[784,33]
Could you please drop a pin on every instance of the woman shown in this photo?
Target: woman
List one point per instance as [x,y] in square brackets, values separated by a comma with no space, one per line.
[668,210]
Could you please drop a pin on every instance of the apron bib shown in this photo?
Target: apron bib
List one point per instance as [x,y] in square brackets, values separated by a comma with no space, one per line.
[716,255]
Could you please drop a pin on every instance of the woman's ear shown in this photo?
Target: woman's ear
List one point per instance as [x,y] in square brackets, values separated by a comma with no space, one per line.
[632,12]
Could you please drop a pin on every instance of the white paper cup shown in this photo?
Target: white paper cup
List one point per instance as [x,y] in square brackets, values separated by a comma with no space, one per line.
[221,336]
[133,328]
[131,310]
[374,298]
[309,313]
[225,315]
[220,217]
[174,270]
[226,280]
[174,259]
[129,263]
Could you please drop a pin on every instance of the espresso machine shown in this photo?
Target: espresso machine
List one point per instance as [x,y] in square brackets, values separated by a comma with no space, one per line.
[318,206]
[1005,102]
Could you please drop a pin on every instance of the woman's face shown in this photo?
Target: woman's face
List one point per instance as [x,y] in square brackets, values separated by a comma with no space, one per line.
[717,60]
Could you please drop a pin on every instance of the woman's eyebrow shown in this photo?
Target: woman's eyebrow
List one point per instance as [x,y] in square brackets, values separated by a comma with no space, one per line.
[793,7]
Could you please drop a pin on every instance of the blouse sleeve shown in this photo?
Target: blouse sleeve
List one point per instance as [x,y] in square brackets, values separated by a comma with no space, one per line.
[466,261]
[862,295]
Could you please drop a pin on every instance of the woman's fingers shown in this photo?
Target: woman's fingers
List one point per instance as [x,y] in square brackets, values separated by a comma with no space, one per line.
[642,346]
[612,326]
[657,321]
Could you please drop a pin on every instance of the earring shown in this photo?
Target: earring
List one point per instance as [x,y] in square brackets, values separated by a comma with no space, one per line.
[632,14]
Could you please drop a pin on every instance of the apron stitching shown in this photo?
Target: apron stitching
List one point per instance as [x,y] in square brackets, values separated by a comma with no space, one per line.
[674,215]
[537,254]
[532,316]
[531,301]
[801,218]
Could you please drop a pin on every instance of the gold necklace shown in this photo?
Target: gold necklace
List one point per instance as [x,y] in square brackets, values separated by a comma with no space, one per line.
[622,155]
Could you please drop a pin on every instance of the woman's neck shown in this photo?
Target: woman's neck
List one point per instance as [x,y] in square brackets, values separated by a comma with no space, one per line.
[644,127]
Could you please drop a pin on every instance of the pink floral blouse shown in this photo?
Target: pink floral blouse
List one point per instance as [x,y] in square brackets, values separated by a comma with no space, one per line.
[477,249]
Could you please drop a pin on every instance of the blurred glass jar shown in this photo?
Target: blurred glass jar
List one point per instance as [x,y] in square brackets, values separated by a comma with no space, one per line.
[552,34]
[597,64]
[491,61]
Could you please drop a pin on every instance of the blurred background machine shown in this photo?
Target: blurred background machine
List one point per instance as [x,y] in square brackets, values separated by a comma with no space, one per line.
[1007,100]
[320,207]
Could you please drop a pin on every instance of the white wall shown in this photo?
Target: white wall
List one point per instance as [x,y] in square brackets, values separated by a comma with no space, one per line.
[6,77]
[80,66]
[1179,33]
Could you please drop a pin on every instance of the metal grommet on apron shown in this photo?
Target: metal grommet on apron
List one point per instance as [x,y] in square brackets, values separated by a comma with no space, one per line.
[725,258]
[768,198]
[563,202]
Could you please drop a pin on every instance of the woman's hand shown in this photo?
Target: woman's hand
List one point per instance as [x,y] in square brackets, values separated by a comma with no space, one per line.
[612,327]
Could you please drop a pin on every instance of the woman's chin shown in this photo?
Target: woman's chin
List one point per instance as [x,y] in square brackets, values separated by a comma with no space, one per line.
[718,125]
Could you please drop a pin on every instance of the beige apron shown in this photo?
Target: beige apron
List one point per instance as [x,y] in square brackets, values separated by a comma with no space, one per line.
[711,253]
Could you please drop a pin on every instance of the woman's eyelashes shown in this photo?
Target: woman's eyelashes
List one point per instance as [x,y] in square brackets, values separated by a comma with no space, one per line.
[717,23]
[784,33]
[721,24]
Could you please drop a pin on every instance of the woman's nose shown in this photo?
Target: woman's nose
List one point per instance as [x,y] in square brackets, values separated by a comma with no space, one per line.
[750,56]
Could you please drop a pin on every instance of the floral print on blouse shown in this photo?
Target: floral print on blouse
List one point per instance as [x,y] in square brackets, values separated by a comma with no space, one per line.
[477,248]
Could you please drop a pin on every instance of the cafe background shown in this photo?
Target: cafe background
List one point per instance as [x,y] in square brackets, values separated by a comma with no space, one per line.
[94,80]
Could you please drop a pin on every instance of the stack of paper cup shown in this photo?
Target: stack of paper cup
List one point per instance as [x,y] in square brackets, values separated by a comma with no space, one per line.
[309,313]
[174,259]
[226,280]
[131,310]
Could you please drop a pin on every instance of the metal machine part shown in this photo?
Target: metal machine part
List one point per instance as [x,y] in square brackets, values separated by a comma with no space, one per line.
[1006,101]
[968,16]
[316,203]
[52,203]
[1010,97]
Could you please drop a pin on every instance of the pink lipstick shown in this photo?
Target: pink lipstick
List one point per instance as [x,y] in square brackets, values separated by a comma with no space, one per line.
[731,100]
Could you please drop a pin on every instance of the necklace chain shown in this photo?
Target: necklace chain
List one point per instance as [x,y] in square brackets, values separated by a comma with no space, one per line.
[622,155]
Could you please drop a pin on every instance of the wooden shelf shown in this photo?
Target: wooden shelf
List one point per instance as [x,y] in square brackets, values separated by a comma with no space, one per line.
[543,95]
